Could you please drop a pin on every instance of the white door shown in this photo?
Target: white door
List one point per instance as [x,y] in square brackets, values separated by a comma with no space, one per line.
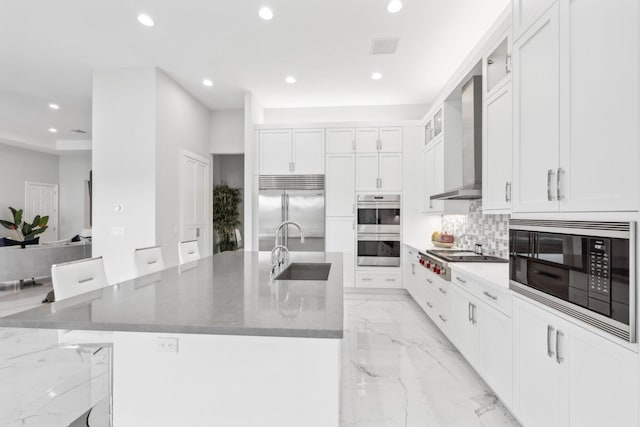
[341,140]
[195,210]
[497,151]
[391,140]
[536,64]
[275,152]
[495,351]
[465,333]
[617,369]
[541,384]
[390,172]
[340,184]
[367,172]
[367,140]
[341,237]
[308,151]
[599,160]
[42,199]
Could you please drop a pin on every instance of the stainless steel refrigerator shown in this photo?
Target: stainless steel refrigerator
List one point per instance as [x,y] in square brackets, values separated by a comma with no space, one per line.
[298,198]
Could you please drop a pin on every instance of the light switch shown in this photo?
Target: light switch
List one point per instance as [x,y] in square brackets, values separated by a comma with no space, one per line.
[117,231]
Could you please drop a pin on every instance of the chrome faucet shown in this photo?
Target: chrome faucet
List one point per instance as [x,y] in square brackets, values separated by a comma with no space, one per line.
[279,245]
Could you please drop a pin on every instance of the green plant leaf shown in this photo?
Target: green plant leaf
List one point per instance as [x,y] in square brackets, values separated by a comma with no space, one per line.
[7,224]
[35,221]
[44,221]
[34,233]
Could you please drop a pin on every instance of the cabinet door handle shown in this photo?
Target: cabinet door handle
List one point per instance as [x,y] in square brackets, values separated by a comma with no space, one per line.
[442,290]
[390,280]
[559,359]
[473,314]
[550,174]
[353,145]
[460,280]
[509,191]
[380,182]
[550,330]
[469,315]
[367,279]
[506,191]
[488,295]
[558,193]
[413,269]
[429,304]
[444,319]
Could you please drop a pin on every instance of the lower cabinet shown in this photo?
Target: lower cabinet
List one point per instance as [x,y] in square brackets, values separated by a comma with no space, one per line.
[565,375]
[483,335]
[340,237]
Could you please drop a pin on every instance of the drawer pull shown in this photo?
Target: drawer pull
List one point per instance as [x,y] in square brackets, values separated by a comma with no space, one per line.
[390,280]
[442,290]
[460,280]
[444,319]
[488,295]
[367,279]
[430,281]
[429,304]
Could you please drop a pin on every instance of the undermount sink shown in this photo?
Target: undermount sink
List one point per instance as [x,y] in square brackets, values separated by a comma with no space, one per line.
[305,271]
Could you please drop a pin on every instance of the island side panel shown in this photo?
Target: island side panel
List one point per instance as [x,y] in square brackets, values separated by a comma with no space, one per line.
[226,380]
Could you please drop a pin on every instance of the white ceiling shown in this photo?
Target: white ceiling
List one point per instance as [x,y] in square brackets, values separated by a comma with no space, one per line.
[48,49]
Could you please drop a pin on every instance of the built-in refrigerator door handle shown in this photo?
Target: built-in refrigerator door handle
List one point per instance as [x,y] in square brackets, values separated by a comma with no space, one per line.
[286,218]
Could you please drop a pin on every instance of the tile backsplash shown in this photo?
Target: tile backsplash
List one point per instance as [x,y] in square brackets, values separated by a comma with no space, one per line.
[491,230]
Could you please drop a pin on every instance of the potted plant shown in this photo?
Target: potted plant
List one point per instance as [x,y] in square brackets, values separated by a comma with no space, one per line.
[225,215]
[25,232]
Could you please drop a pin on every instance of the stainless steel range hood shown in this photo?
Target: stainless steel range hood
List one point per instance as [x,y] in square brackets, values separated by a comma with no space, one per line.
[471,154]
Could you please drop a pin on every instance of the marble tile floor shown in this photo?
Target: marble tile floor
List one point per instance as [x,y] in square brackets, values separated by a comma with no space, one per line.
[14,300]
[398,369]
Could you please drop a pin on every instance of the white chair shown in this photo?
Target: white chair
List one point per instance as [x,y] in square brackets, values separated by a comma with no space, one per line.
[148,260]
[188,251]
[77,277]
[238,239]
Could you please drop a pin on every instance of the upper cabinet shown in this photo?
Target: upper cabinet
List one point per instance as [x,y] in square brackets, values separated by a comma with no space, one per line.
[373,140]
[341,140]
[292,152]
[526,12]
[497,140]
[576,119]
[379,159]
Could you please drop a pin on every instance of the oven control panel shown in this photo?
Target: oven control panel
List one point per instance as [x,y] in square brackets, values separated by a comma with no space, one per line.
[599,266]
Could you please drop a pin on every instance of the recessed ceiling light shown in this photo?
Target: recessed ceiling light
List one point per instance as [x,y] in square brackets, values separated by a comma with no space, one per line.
[54,106]
[376,76]
[207,82]
[394,6]
[266,14]
[290,80]
[145,20]
[53,130]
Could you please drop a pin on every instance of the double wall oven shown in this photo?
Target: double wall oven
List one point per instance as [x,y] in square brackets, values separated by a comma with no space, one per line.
[378,229]
[584,269]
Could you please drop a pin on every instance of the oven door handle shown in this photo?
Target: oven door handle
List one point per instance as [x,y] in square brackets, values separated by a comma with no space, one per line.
[379,237]
[378,205]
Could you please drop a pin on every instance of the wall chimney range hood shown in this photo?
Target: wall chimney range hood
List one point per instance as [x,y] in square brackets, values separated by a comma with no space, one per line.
[471,170]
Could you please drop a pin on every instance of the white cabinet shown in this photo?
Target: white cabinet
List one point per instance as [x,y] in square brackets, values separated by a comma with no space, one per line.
[287,152]
[565,375]
[413,276]
[379,172]
[465,335]
[340,237]
[341,140]
[526,12]
[340,184]
[275,152]
[497,151]
[536,85]
[576,141]
[373,140]
[433,167]
[378,279]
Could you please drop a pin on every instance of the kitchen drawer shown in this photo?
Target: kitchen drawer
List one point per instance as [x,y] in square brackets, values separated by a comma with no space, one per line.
[464,282]
[500,299]
[366,279]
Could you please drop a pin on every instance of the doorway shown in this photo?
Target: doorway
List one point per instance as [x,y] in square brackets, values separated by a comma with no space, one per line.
[195,206]
[42,199]
[229,169]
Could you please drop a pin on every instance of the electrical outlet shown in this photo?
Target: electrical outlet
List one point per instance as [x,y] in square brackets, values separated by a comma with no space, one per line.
[117,231]
[167,345]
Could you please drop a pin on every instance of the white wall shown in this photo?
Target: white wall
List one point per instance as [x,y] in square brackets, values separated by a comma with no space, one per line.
[253,114]
[73,176]
[18,165]
[182,122]
[124,170]
[227,132]
[345,114]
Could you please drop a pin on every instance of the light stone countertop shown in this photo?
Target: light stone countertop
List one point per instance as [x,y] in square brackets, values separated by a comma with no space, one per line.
[227,294]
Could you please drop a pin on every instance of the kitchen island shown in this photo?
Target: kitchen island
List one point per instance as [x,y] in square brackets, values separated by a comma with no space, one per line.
[216,342]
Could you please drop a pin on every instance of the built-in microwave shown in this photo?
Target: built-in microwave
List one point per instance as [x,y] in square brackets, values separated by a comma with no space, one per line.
[583,269]
[379,213]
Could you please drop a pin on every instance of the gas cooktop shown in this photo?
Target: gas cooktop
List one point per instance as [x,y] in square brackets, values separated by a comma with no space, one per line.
[454,255]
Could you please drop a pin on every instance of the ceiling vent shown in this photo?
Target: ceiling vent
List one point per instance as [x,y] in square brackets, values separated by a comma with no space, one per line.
[78,131]
[383,46]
